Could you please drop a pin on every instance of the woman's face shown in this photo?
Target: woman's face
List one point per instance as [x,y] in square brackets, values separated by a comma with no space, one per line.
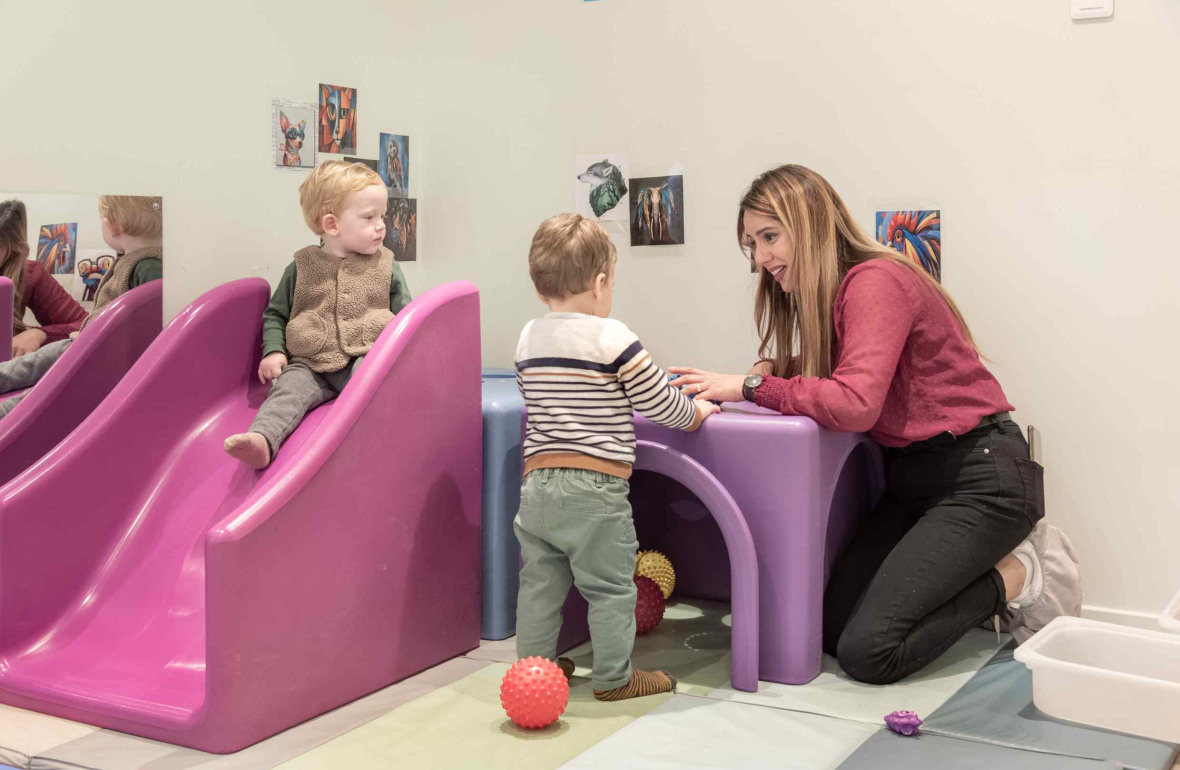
[769,245]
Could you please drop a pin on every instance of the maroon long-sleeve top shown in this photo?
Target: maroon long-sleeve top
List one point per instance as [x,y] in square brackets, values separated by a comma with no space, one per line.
[57,312]
[904,370]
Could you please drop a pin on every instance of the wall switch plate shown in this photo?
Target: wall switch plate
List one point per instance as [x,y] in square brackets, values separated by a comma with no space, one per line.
[1091,9]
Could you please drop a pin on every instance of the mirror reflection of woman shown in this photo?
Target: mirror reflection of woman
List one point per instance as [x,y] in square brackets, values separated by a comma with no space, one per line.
[58,314]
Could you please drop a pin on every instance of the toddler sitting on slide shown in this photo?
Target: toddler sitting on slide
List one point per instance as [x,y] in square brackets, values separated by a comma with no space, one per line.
[330,306]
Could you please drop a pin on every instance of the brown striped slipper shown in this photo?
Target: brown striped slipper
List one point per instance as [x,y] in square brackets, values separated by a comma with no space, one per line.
[642,683]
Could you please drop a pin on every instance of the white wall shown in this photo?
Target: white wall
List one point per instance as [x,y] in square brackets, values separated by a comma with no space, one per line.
[1050,145]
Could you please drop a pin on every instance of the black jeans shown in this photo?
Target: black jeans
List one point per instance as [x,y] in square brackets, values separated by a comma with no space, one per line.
[919,572]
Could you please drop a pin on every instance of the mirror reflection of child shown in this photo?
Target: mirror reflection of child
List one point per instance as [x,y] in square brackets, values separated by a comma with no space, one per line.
[134,227]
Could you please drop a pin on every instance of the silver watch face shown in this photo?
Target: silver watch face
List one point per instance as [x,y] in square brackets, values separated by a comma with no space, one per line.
[753,380]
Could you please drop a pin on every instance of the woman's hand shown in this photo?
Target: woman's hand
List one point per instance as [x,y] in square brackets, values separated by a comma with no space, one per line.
[28,341]
[708,385]
[271,367]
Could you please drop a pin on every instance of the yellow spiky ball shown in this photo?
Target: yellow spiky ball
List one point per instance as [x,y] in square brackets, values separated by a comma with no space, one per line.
[656,566]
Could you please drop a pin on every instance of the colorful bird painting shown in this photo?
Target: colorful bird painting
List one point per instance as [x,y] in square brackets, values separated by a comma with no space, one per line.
[915,233]
[55,247]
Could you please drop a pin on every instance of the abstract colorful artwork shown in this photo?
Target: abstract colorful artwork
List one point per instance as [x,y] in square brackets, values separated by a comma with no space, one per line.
[600,187]
[337,126]
[394,152]
[401,229]
[657,210]
[915,233]
[292,126]
[55,247]
[91,271]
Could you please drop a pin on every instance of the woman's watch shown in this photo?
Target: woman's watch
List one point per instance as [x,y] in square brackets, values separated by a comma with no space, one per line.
[750,385]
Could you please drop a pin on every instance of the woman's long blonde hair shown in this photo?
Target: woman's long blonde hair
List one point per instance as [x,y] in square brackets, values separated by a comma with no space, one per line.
[797,331]
[14,251]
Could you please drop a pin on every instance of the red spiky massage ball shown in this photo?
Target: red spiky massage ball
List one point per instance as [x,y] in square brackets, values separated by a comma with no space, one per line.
[534,692]
[649,604]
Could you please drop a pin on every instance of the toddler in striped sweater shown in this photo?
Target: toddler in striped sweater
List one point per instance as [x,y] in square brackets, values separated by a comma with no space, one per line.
[583,375]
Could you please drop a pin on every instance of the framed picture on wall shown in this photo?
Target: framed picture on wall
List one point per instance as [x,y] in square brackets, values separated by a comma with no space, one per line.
[600,187]
[56,245]
[916,233]
[401,229]
[93,264]
[337,122]
[657,215]
[291,124]
[393,151]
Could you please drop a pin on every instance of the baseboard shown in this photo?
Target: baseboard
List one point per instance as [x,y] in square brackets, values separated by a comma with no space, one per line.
[1122,617]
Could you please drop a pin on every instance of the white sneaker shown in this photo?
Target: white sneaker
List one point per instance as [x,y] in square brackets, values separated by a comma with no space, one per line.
[1034,581]
[1053,585]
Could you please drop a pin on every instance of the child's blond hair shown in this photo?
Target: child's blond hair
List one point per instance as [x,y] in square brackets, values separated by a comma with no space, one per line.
[323,192]
[140,216]
[567,254]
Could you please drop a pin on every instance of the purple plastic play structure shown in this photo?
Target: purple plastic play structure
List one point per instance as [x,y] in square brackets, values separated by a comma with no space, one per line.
[79,381]
[800,490]
[752,508]
[152,585]
[6,299]
[666,462]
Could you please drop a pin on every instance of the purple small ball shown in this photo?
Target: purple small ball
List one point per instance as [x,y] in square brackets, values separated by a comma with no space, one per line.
[903,722]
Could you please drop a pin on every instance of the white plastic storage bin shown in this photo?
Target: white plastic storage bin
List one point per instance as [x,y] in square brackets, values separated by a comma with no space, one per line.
[1100,674]
[1170,620]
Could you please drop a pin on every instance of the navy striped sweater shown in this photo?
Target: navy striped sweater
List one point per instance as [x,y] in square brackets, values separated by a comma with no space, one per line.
[582,378]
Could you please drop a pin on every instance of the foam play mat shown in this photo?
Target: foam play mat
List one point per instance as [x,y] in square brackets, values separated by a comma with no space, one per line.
[975,702]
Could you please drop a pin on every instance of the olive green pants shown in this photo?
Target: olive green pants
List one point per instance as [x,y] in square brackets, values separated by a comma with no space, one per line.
[575,527]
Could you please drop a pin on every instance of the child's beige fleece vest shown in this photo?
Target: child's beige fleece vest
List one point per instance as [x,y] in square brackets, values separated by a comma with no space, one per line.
[340,306]
[117,281]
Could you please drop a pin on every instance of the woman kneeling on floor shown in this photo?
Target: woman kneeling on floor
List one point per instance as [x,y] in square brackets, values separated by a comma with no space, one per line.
[859,338]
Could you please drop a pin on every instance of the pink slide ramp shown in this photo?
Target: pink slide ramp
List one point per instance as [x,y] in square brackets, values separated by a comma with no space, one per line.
[6,299]
[79,380]
[151,584]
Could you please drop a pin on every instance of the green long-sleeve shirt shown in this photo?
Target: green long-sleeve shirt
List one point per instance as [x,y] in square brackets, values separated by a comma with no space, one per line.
[146,270]
[278,312]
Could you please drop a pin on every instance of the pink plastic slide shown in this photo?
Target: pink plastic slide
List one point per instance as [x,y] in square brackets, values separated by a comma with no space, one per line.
[79,380]
[6,298]
[151,584]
